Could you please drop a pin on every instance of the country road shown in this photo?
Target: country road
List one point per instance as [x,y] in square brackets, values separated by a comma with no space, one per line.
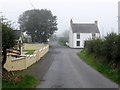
[68,71]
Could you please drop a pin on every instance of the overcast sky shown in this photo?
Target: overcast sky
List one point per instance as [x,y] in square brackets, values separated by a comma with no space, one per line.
[104,11]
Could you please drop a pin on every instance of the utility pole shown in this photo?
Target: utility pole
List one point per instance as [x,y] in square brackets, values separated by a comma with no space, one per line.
[32,4]
[119,17]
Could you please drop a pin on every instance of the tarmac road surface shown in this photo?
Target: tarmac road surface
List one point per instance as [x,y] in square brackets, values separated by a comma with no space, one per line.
[68,71]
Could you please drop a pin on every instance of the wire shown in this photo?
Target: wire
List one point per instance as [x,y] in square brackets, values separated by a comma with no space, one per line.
[31,4]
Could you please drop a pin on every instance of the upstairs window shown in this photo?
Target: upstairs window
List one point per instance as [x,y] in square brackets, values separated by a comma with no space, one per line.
[78,36]
[93,35]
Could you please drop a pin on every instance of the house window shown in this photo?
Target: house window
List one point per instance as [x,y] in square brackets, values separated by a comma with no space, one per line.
[93,35]
[78,43]
[78,36]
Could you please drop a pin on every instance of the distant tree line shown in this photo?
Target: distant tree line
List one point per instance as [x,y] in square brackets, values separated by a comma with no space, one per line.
[109,48]
[64,37]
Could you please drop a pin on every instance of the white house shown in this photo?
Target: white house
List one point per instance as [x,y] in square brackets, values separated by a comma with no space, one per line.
[80,32]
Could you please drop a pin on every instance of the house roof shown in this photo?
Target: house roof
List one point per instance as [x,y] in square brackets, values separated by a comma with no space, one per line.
[84,28]
[17,34]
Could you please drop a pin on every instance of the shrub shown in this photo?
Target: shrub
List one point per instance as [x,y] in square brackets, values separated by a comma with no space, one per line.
[97,46]
[94,46]
[89,46]
[109,48]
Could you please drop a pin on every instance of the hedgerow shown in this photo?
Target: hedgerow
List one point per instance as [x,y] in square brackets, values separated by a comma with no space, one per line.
[109,48]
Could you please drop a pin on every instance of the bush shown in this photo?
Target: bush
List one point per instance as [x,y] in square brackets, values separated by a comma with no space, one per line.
[89,46]
[94,46]
[109,48]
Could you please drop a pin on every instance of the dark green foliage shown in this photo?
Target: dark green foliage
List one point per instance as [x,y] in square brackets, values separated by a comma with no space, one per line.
[8,37]
[89,46]
[109,48]
[8,40]
[97,46]
[40,24]
[118,50]
[94,46]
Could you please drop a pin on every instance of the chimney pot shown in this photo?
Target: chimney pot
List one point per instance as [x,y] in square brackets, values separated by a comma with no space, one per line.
[96,22]
[71,21]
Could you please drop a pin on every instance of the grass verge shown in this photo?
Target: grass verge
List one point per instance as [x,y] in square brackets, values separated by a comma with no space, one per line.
[29,51]
[26,82]
[99,64]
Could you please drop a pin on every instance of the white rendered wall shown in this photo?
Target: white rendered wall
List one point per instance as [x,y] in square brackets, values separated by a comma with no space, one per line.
[83,38]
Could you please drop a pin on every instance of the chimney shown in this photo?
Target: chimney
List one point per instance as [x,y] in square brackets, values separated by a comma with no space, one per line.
[96,22]
[71,21]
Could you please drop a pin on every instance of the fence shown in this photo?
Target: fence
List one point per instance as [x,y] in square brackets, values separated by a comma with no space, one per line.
[14,64]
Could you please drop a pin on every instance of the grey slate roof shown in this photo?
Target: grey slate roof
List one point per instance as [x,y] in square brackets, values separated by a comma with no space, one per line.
[84,28]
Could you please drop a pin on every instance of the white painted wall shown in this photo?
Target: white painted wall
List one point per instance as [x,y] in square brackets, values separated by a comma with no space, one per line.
[98,35]
[83,37]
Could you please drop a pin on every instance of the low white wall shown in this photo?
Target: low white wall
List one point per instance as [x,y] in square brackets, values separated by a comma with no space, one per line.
[24,62]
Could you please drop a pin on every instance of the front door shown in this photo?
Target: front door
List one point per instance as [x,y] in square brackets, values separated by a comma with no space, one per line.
[78,43]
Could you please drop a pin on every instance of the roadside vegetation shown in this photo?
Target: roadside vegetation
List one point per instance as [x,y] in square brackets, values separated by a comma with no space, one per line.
[25,81]
[104,56]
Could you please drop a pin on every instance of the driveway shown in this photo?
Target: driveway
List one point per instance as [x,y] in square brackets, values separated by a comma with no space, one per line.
[66,70]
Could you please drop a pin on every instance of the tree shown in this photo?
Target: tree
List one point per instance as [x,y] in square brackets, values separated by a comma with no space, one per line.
[40,24]
[8,41]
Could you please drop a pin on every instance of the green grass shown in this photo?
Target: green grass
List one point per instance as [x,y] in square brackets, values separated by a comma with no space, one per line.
[29,51]
[100,65]
[26,82]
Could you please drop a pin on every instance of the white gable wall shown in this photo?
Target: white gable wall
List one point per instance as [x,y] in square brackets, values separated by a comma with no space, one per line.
[83,37]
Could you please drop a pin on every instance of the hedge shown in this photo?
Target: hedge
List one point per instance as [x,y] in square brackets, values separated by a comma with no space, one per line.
[109,48]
